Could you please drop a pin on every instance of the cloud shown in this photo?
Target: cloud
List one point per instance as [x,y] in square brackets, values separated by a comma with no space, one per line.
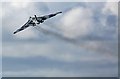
[1,11]
[53,72]
[108,48]
[45,66]
[61,52]
[83,38]
[0,39]
[77,22]
[111,8]
[13,21]
[28,34]
[99,46]
[19,4]
[39,73]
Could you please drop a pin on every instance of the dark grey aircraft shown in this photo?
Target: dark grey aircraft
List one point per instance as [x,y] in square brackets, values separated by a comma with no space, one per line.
[33,21]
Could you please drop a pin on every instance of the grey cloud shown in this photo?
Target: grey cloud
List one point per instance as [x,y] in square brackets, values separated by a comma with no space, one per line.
[100,45]
[31,64]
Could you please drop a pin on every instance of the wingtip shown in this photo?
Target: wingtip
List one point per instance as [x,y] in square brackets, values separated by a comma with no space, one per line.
[14,33]
[59,12]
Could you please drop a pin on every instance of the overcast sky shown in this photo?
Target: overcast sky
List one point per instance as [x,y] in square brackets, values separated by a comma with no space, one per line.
[82,41]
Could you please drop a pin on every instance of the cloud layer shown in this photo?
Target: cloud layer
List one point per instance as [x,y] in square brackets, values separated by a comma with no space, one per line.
[80,42]
[77,22]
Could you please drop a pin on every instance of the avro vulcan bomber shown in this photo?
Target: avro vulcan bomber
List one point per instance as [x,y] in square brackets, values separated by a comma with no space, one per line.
[33,21]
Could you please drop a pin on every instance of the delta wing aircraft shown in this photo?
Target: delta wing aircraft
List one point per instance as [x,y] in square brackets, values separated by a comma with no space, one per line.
[33,21]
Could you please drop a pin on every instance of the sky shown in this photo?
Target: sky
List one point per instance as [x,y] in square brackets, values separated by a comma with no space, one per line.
[80,42]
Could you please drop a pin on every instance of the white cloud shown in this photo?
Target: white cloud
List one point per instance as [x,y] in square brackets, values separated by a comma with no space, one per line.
[18,4]
[77,22]
[68,53]
[39,73]
[28,34]
[16,16]
[1,13]
[1,39]
[55,72]
[111,8]
[110,12]
[106,48]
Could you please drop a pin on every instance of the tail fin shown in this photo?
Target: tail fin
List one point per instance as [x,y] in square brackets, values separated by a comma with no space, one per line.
[35,17]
